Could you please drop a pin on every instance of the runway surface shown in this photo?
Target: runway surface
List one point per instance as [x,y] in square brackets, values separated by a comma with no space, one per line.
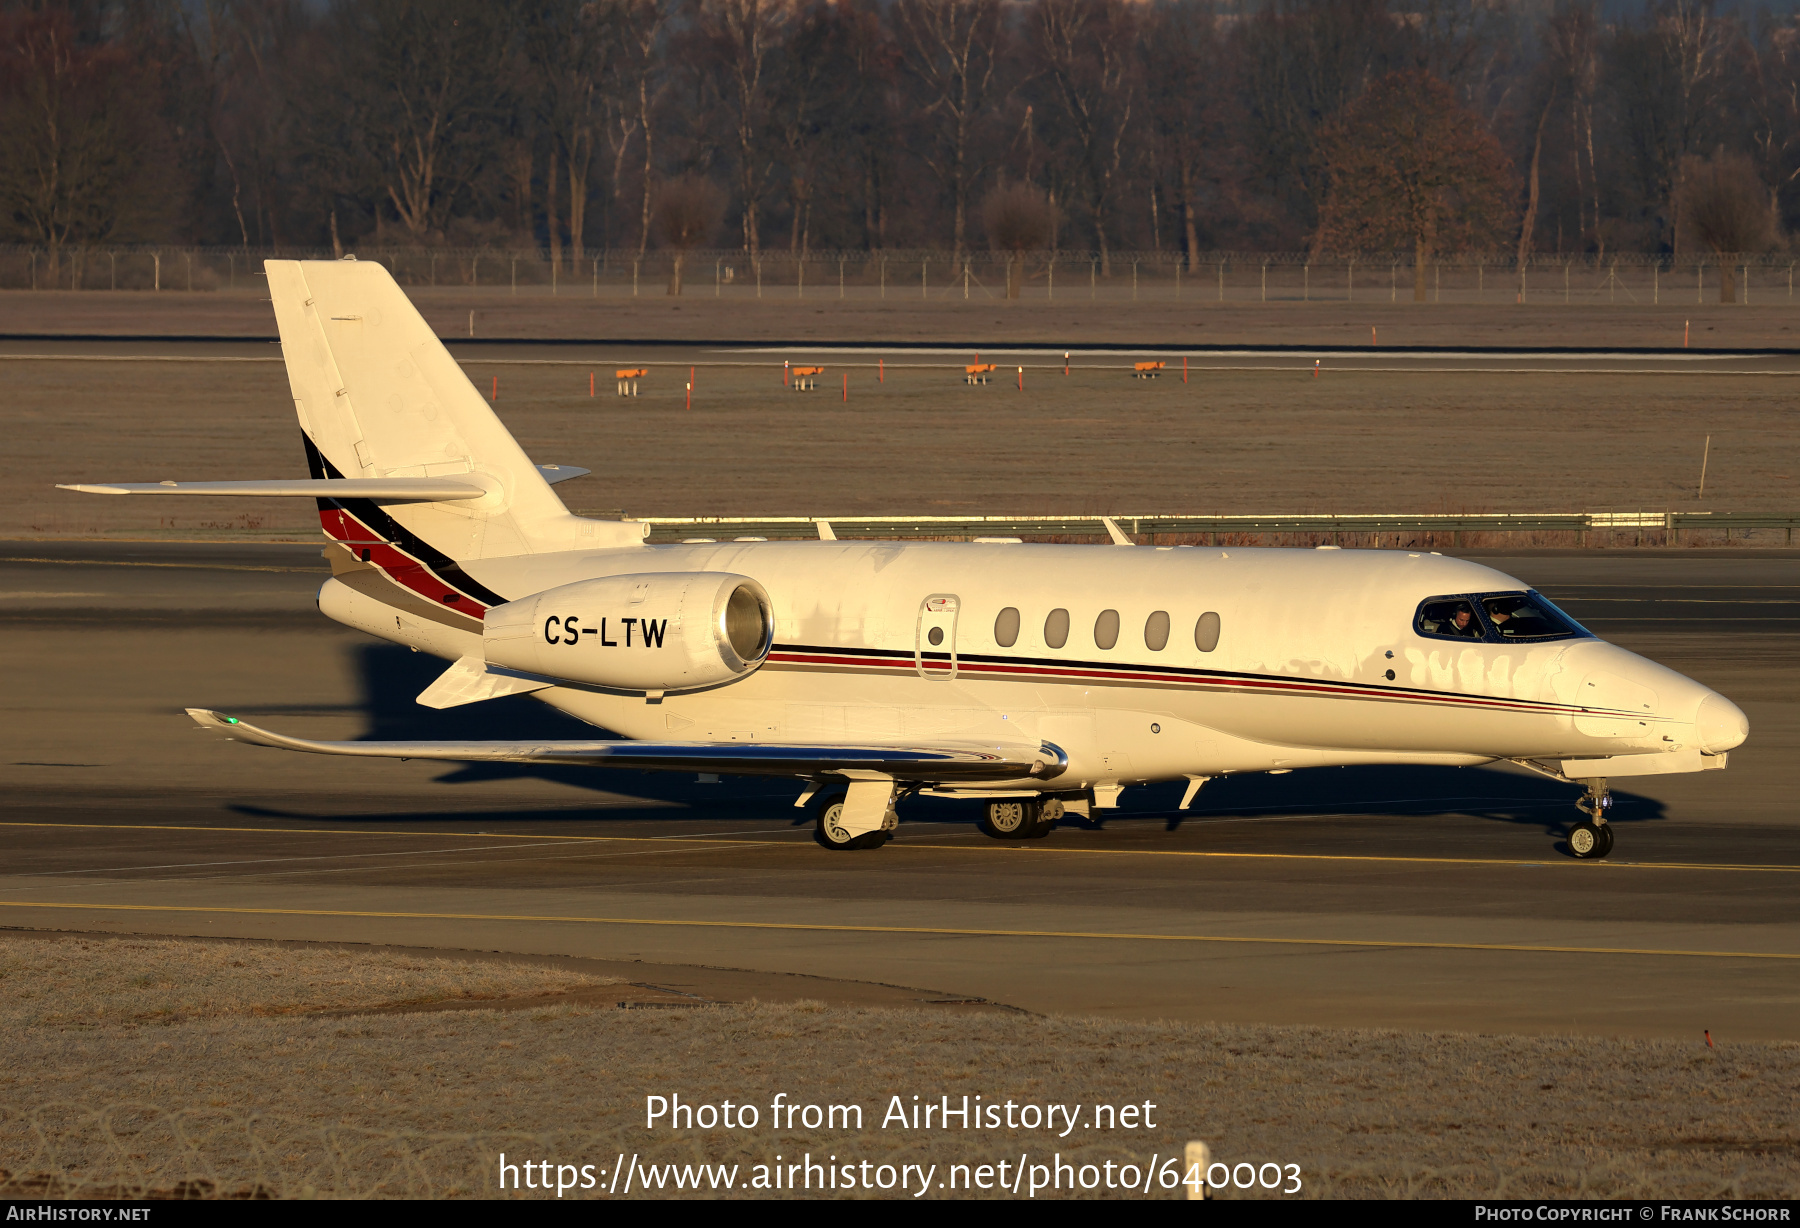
[1379,897]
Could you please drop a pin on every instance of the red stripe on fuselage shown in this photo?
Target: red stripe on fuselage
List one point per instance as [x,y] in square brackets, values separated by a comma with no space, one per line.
[399,566]
[1041,670]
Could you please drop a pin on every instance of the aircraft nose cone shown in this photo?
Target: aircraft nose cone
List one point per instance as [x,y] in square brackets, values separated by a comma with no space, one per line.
[1720,725]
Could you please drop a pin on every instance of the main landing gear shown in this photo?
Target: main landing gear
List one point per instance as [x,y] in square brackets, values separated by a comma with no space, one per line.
[1021,818]
[1592,838]
[829,829]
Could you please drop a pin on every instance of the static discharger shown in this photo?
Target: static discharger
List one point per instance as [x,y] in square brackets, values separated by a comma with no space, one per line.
[807,378]
[977,372]
[1147,370]
[628,379]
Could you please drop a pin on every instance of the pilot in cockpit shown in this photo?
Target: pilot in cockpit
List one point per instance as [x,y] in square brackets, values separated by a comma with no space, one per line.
[1462,623]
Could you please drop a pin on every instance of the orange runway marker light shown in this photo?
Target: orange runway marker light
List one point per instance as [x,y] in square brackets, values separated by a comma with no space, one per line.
[784,373]
[881,371]
[496,390]
[1315,368]
[1184,368]
[1021,379]
[846,387]
[1373,340]
[690,388]
[1684,333]
[1709,1043]
[590,383]
[1065,362]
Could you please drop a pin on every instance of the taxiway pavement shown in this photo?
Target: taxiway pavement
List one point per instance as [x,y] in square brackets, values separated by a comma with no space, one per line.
[1386,898]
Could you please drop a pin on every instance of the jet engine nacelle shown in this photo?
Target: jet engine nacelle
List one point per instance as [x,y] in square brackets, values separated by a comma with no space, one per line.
[653,632]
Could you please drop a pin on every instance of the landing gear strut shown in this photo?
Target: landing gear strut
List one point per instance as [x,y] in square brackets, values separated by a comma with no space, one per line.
[1025,818]
[1592,838]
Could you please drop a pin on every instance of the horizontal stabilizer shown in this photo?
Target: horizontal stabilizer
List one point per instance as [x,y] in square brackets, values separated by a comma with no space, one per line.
[381,490]
[471,680]
[944,761]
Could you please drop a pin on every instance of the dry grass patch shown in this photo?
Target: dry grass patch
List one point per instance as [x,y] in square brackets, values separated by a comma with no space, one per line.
[65,983]
[255,1095]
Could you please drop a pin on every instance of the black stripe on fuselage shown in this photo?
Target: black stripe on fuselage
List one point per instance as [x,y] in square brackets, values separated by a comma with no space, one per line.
[447,568]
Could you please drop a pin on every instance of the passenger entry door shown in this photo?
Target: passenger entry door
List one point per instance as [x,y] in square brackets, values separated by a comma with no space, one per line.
[935,647]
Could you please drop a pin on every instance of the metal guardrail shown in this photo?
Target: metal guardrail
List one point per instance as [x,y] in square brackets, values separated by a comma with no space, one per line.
[1450,526]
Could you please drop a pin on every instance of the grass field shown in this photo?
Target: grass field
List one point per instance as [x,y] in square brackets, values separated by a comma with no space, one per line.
[948,318]
[223,1068]
[913,438]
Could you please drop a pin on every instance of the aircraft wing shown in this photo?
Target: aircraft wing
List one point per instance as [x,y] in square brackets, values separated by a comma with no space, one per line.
[385,490]
[381,490]
[941,761]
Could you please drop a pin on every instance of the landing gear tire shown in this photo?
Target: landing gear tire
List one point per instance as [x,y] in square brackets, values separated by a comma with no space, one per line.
[1012,818]
[1592,838]
[829,831]
[1590,843]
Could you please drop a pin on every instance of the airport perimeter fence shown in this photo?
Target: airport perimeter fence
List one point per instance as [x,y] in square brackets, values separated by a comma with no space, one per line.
[1454,530]
[937,276]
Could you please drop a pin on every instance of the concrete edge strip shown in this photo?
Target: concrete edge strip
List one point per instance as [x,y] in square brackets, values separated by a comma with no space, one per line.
[986,847]
[927,931]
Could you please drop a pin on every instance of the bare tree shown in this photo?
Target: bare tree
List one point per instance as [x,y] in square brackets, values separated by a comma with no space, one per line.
[1302,61]
[639,28]
[1669,76]
[1019,218]
[686,213]
[78,155]
[745,36]
[949,48]
[1409,167]
[1724,208]
[1181,75]
[1087,50]
[567,44]
[428,92]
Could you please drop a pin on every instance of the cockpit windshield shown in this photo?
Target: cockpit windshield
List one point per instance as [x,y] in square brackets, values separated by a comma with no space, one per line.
[1451,617]
[1527,616]
[1495,618]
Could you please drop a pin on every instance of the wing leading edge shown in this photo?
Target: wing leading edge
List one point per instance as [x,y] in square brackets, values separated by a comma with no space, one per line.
[944,761]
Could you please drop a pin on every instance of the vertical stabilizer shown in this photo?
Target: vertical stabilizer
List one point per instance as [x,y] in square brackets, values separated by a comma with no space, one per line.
[378,396]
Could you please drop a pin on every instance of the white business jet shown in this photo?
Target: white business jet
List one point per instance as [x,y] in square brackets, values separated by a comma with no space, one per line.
[1040,679]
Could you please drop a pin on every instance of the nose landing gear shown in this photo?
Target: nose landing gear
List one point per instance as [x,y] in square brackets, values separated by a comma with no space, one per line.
[1592,838]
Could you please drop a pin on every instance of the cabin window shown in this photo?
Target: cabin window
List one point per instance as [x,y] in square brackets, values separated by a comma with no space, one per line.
[1006,627]
[1056,629]
[1527,616]
[1206,632]
[1156,631]
[1451,618]
[1106,629]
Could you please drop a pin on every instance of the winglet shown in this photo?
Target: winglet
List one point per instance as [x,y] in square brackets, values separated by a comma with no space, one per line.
[1118,535]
